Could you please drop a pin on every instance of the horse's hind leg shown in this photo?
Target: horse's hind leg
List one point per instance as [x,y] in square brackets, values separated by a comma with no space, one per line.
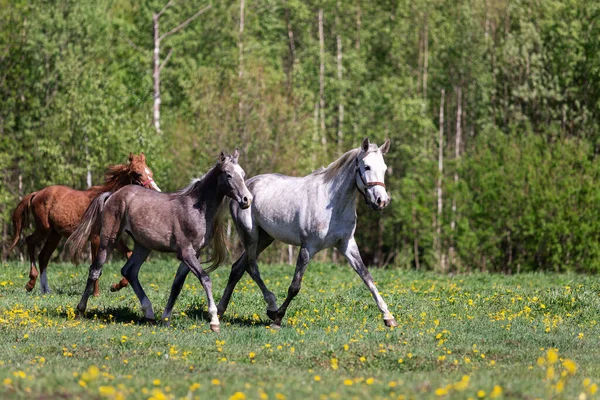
[237,271]
[123,283]
[95,272]
[294,289]
[350,250]
[264,240]
[46,253]
[131,270]
[32,241]
[182,273]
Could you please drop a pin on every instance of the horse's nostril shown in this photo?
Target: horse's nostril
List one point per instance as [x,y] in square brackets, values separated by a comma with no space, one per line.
[245,199]
[379,201]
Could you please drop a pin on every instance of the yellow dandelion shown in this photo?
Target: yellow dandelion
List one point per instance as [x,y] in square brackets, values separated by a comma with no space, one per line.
[107,391]
[496,392]
[481,394]
[7,381]
[560,386]
[552,356]
[441,391]
[194,387]
[215,382]
[570,366]
[593,388]
[348,382]
[317,378]
[156,382]
[279,396]
[238,396]
[252,354]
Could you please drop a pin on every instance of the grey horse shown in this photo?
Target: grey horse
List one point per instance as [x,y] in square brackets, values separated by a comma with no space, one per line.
[183,223]
[314,212]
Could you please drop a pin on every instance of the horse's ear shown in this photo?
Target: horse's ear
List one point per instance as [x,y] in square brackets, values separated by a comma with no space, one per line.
[365,144]
[143,156]
[130,157]
[235,155]
[385,147]
[222,157]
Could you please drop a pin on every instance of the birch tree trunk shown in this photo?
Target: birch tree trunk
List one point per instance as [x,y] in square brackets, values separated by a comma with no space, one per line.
[157,64]
[156,71]
[322,81]
[425,57]
[440,204]
[241,74]
[457,145]
[340,133]
[292,46]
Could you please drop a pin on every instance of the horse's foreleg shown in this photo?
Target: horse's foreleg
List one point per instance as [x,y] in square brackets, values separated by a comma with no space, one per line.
[294,289]
[123,283]
[45,254]
[237,271]
[352,254]
[131,270]
[182,273]
[189,258]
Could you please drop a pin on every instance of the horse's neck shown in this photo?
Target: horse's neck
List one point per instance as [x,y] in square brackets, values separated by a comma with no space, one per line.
[343,186]
[111,186]
[208,193]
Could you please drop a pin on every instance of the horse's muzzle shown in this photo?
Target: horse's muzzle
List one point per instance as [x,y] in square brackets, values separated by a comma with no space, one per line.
[245,203]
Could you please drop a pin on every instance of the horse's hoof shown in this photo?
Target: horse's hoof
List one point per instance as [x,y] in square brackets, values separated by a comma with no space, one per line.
[275,326]
[215,328]
[96,294]
[272,315]
[150,321]
[390,322]
[29,287]
[114,288]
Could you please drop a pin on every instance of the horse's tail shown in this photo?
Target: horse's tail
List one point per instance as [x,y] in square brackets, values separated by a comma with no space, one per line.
[18,216]
[80,236]
[219,242]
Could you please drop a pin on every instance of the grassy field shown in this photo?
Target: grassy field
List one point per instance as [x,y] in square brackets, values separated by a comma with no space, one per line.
[473,336]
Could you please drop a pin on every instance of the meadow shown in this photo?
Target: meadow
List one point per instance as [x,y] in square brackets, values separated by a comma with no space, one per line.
[474,336]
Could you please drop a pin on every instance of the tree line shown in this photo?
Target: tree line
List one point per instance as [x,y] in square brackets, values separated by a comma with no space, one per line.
[492,106]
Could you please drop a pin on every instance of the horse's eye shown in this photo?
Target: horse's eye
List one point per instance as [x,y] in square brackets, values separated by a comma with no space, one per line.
[367,168]
[229,176]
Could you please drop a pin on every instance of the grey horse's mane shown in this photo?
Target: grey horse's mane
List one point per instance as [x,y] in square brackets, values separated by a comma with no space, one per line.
[349,157]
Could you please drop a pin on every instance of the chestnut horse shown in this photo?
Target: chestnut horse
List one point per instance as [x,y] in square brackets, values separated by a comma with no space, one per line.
[57,210]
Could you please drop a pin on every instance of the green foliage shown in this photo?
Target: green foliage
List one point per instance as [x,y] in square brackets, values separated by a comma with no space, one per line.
[76,94]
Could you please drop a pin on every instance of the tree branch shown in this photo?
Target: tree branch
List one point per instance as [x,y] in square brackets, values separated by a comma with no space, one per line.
[130,42]
[162,64]
[161,12]
[185,23]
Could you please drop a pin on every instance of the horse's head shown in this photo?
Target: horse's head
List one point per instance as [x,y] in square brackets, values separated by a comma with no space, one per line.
[139,172]
[231,178]
[370,174]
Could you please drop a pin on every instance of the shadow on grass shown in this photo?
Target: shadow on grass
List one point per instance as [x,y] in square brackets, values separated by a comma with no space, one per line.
[198,312]
[107,315]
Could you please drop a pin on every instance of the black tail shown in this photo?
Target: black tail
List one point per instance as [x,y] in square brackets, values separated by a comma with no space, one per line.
[91,219]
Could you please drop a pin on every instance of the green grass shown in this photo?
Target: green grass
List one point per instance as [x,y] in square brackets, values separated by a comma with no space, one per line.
[489,328]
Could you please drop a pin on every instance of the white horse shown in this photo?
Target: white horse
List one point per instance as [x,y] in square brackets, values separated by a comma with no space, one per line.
[314,212]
